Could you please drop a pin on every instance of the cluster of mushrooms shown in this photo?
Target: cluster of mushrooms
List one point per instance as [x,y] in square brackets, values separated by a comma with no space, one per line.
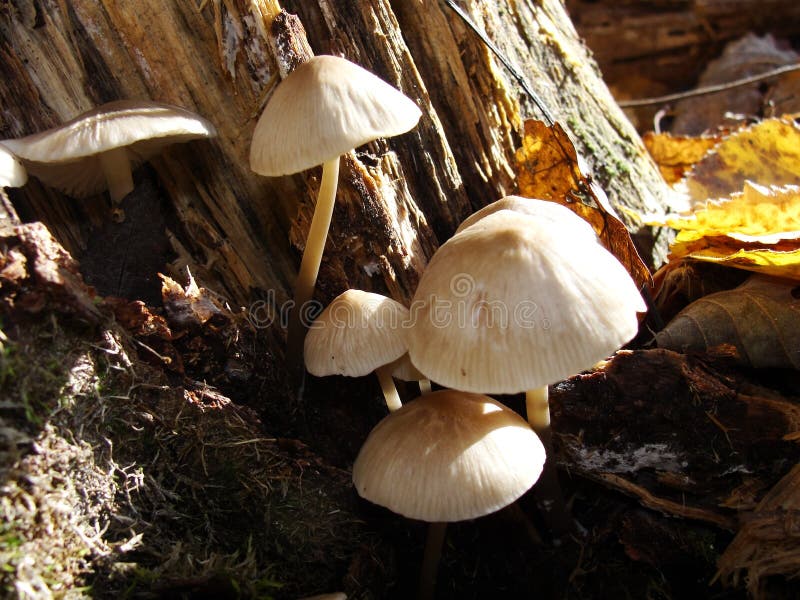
[522,296]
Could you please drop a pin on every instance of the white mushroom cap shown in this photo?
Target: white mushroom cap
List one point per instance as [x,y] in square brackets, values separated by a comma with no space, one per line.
[355,334]
[448,456]
[12,173]
[553,212]
[514,303]
[326,107]
[66,157]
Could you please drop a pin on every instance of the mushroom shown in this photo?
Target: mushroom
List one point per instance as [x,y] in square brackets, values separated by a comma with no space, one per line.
[447,456]
[515,302]
[405,370]
[98,149]
[12,173]
[552,212]
[326,107]
[358,333]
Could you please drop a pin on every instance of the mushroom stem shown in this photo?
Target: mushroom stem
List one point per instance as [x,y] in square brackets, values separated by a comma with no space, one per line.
[430,560]
[538,408]
[547,490]
[425,386]
[309,264]
[117,170]
[388,387]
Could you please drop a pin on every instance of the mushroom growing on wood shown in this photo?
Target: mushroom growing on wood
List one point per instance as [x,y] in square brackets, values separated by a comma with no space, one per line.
[358,333]
[515,302]
[447,456]
[12,173]
[552,212]
[99,149]
[404,370]
[326,107]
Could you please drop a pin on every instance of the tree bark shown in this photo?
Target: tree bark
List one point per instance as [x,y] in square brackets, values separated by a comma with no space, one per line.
[241,234]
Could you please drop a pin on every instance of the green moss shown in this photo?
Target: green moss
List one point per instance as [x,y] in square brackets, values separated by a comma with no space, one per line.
[32,374]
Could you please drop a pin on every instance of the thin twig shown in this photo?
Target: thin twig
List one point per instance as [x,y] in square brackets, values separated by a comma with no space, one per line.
[548,116]
[711,89]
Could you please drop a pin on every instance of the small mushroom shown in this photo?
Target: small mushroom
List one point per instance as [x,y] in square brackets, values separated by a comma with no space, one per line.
[326,107]
[447,456]
[358,333]
[98,149]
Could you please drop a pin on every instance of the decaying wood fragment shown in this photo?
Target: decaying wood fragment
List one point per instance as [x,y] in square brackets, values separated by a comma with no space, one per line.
[768,542]
[686,434]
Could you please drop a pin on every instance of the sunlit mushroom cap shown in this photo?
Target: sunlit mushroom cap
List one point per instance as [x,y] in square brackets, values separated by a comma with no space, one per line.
[355,334]
[448,456]
[12,173]
[326,107]
[66,157]
[544,210]
[514,303]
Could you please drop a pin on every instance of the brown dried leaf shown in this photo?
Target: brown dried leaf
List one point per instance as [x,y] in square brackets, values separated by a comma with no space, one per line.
[138,319]
[761,318]
[683,281]
[749,55]
[192,305]
[549,168]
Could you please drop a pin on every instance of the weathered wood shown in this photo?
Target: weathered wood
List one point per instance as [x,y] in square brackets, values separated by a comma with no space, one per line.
[240,233]
[688,435]
[670,43]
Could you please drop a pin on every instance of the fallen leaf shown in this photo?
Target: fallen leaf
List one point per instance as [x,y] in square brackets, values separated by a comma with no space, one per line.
[756,214]
[778,260]
[191,305]
[757,229]
[675,155]
[138,319]
[767,153]
[749,55]
[761,318]
[681,281]
[549,168]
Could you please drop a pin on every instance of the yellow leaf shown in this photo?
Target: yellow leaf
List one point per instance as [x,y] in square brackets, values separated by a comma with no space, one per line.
[756,212]
[768,153]
[675,155]
[781,259]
